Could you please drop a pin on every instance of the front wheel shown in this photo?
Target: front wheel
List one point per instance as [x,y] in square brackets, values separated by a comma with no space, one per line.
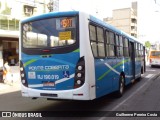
[121,87]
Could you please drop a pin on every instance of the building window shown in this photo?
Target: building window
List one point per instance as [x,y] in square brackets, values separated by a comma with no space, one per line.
[28,10]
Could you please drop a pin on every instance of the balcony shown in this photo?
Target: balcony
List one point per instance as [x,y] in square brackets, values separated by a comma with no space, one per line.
[133,31]
[8,23]
[133,17]
[133,24]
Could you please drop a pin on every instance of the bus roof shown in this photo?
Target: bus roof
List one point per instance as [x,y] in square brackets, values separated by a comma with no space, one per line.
[50,14]
[154,50]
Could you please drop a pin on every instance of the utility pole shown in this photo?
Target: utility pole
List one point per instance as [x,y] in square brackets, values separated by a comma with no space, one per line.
[50,5]
[157,2]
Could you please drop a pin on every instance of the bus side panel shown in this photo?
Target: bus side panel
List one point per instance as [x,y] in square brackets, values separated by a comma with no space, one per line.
[107,76]
[103,84]
[108,72]
[137,67]
[128,70]
[85,50]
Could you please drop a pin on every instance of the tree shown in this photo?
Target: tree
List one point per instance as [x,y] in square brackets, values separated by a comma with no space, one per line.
[147,44]
[7,10]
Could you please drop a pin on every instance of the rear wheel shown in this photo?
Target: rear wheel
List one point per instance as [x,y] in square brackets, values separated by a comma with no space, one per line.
[138,79]
[121,87]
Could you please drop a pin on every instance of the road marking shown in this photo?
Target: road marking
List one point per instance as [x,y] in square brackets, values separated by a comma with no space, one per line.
[149,75]
[121,103]
[150,70]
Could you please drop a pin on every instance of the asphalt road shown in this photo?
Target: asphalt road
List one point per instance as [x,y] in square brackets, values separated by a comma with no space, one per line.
[140,96]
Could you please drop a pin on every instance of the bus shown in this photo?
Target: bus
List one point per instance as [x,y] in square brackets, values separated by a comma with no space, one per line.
[75,56]
[154,58]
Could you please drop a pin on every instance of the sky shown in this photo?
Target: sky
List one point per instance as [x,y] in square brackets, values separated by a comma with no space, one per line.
[148,13]
[102,8]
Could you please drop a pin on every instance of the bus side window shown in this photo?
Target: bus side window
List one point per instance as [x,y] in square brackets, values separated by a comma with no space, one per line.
[111,44]
[140,50]
[100,37]
[137,54]
[142,53]
[92,32]
[97,41]
[120,46]
[125,48]
[117,46]
[94,49]
[107,43]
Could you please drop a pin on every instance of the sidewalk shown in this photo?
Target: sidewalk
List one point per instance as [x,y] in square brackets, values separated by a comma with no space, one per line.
[15,85]
[5,88]
[15,72]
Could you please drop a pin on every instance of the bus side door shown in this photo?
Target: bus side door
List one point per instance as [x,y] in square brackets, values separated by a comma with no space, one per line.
[132,57]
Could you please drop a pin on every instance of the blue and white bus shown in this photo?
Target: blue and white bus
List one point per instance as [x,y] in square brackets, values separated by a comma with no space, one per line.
[73,55]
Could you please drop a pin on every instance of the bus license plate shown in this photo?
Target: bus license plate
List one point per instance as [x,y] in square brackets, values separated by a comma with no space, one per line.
[48,84]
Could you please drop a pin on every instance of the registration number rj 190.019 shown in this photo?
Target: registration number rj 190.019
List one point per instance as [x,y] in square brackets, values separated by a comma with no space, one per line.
[48,77]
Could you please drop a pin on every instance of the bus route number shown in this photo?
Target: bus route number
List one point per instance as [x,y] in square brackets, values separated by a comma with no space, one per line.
[66,23]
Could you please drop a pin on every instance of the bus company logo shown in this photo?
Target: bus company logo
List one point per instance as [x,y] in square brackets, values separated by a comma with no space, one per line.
[6,114]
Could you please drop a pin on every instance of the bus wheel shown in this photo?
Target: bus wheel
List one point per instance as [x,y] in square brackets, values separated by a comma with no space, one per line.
[121,87]
[139,79]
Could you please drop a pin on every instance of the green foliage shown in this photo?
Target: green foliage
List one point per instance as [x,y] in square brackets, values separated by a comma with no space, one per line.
[7,11]
[147,44]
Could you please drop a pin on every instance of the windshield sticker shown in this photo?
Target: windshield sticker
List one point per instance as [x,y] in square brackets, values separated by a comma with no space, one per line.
[65,35]
[27,27]
[31,75]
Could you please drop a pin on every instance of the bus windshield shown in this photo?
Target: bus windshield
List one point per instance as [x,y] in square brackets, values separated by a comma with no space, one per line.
[155,53]
[50,33]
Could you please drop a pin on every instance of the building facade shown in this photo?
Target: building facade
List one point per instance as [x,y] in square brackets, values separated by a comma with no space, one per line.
[11,12]
[125,19]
